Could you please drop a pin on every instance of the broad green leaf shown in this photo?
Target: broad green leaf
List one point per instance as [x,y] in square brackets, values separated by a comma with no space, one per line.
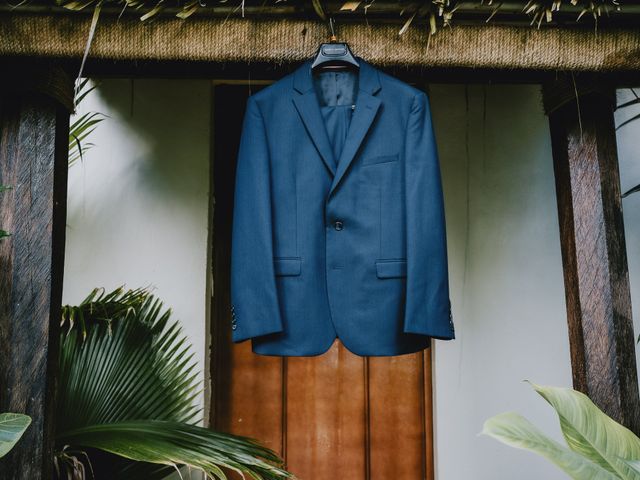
[12,426]
[635,465]
[174,444]
[591,433]
[514,430]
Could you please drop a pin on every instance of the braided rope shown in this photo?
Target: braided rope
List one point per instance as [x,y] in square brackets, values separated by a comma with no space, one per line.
[290,40]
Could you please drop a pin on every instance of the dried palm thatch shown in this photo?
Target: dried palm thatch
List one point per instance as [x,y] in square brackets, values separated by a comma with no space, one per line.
[433,13]
[596,35]
[278,41]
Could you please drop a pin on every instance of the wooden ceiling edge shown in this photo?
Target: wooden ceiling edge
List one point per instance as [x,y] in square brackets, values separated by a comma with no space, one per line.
[286,41]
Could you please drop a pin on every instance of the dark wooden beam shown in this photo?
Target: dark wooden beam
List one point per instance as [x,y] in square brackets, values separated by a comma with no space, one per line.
[34,135]
[596,277]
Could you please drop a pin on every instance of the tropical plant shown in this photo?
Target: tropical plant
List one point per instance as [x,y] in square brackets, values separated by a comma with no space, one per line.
[127,398]
[83,126]
[597,447]
[12,426]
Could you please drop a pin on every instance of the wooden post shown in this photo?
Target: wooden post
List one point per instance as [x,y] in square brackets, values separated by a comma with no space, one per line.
[34,135]
[594,257]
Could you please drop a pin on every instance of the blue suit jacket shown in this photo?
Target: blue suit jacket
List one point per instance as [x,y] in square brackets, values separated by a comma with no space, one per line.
[344,242]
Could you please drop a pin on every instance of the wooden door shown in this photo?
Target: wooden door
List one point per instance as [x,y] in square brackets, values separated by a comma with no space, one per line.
[333,416]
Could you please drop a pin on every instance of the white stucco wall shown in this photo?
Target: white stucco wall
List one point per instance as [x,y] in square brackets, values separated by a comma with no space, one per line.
[506,278]
[629,160]
[138,215]
[138,204]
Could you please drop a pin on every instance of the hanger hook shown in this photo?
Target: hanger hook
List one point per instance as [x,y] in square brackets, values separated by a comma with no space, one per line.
[332,29]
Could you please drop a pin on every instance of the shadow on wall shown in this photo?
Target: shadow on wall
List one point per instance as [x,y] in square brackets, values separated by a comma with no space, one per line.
[166,139]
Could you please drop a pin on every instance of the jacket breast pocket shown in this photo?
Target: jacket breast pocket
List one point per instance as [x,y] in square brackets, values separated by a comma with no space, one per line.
[380,159]
[391,268]
[287,266]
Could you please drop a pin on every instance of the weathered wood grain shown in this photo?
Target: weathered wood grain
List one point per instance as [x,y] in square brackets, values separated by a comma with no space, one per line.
[593,245]
[397,417]
[427,392]
[33,161]
[326,415]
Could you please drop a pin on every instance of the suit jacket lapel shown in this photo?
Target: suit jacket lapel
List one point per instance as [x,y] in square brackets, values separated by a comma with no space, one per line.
[367,106]
[365,112]
[309,110]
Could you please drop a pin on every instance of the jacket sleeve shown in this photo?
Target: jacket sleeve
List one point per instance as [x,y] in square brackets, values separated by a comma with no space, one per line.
[254,300]
[427,307]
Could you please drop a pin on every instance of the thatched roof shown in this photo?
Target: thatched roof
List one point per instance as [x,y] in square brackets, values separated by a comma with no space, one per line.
[289,31]
[433,12]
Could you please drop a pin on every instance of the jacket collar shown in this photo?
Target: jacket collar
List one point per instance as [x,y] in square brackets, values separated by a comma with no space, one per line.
[369,80]
[366,108]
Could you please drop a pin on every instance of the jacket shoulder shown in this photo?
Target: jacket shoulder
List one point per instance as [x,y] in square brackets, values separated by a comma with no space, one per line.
[397,87]
[274,91]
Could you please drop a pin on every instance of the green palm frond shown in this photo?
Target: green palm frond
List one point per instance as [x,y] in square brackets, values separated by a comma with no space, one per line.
[83,126]
[128,387]
[102,307]
[79,131]
[174,444]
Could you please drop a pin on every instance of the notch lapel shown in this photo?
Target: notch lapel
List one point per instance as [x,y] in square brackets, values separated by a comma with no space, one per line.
[309,110]
[367,106]
[365,112]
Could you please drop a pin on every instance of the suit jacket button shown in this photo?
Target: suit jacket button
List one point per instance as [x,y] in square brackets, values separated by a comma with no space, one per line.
[234,326]
[338,225]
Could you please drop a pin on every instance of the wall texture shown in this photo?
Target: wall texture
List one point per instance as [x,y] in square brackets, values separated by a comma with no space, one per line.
[138,215]
[139,202]
[506,278]
[629,158]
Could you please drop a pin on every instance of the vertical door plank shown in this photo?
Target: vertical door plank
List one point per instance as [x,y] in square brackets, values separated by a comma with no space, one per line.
[248,398]
[427,361]
[253,395]
[396,417]
[325,424]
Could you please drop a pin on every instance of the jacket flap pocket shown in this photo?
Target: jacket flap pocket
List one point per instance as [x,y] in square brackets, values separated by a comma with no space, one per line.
[380,159]
[286,266]
[391,268]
